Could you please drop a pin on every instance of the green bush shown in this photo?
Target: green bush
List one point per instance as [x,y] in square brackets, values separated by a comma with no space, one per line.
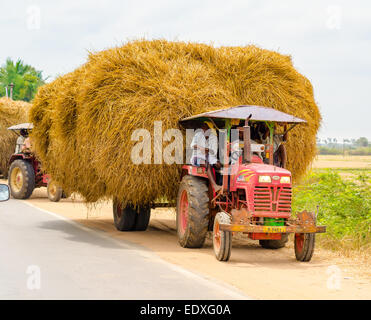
[344,205]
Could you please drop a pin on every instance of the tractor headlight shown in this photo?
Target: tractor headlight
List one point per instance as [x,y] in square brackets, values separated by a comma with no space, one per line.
[285,180]
[265,179]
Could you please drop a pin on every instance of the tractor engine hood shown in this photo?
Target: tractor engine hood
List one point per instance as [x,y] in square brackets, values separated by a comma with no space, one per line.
[257,173]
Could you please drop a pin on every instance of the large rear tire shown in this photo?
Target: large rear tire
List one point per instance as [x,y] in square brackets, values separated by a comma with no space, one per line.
[55,192]
[130,218]
[275,244]
[21,179]
[192,213]
[222,240]
[304,246]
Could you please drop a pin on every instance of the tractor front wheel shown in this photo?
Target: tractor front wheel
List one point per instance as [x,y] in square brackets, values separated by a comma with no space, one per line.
[222,240]
[54,191]
[304,246]
[21,179]
[192,212]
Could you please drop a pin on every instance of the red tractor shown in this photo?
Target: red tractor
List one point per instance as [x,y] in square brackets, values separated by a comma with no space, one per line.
[25,171]
[255,196]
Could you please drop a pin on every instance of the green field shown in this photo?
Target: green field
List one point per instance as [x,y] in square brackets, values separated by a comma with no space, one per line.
[343,197]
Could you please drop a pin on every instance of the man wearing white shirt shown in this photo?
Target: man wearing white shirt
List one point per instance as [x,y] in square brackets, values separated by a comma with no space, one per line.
[205,149]
[20,140]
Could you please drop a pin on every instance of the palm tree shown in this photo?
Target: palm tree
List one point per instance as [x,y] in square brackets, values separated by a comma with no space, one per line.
[26,79]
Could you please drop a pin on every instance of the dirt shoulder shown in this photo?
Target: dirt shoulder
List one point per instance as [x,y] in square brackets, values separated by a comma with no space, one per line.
[260,273]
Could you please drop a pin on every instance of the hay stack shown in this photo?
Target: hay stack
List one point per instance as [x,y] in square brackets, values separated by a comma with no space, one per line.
[11,113]
[84,120]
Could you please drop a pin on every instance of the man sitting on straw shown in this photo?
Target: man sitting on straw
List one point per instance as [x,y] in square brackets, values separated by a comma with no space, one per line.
[204,151]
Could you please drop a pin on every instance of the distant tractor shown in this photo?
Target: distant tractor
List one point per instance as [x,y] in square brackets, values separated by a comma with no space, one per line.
[255,196]
[25,171]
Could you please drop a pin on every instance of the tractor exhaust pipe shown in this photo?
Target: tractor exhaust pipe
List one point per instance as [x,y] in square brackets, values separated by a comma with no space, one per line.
[247,141]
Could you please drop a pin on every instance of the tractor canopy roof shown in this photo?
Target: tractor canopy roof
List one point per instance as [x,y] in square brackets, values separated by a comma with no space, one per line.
[257,113]
[27,126]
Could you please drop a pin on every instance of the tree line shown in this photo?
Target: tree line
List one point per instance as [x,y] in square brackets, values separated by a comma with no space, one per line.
[328,146]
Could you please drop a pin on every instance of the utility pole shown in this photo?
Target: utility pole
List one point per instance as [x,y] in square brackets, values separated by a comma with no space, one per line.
[343,147]
[6,91]
[11,90]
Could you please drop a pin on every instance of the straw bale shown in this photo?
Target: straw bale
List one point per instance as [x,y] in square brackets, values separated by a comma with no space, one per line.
[11,113]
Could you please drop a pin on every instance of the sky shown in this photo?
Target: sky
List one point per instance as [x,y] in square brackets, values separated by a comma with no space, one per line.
[329,41]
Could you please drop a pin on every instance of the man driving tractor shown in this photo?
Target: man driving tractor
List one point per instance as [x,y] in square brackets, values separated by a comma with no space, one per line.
[23,134]
[279,149]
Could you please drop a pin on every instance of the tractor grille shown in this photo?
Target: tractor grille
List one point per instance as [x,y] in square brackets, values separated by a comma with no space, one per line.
[272,199]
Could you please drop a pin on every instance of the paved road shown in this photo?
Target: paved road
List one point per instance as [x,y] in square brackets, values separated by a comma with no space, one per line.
[78,263]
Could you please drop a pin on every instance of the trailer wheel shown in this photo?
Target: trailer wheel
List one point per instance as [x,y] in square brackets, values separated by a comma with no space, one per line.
[192,212]
[222,240]
[304,246]
[55,192]
[275,244]
[142,218]
[21,179]
[123,217]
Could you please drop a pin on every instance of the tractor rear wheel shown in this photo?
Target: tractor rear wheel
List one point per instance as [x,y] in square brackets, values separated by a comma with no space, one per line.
[130,218]
[304,246]
[192,212]
[222,240]
[275,244]
[21,179]
[54,191]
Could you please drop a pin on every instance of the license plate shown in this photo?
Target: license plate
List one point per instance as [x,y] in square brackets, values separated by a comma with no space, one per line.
[273,229]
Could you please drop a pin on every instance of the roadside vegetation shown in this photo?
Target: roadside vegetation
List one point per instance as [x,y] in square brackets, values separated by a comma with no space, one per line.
[344,200]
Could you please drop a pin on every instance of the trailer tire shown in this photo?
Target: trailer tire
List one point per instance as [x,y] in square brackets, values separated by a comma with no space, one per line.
[21,179]
[124,217]
[275,244]
[192,212]
[142,218]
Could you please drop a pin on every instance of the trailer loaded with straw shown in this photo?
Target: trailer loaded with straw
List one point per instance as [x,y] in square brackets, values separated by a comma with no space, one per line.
[84,120]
